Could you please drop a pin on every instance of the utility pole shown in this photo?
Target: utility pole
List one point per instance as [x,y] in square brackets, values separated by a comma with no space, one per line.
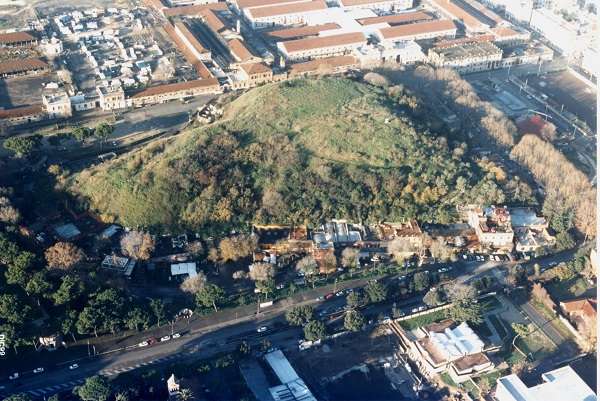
[88,347]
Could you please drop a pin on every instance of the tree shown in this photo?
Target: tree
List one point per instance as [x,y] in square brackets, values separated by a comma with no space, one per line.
[95,388]
[299,315]
[63,256]
[354,320]
[261,271]
[240,275]
[38,285]
[158,309]
[210,295]
[138,317]
[433,297]
[138,245]
[440,250]
[564,241]
[12,309]
[235,248]
[354,300]
[400,248]
[376,292]
[421,281]
[68,323]
[308,266]
[19,397]
[122,396]
[185,394]
[521,330]
[18,271]
[8,213]
[329,263]
[81,133]
[22,145]
[103,131]
[213,255]
[195,248]
[349,257]
[315,330]
[464,304]
[69,289]
[193,284]
[520,366]
[548,132]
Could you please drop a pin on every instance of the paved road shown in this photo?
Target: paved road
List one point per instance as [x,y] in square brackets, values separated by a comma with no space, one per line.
[544,324]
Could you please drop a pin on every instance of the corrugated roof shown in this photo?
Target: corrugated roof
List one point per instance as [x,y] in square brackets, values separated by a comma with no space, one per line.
[396,19]
[283,9]
[460,14]
[255,68]
[239,50]
[309,30]
[190,37]
[417,28]
[15,37]
[176,87]
[324,41]
[21,65]
[263,3]
[328,62]
[21,111]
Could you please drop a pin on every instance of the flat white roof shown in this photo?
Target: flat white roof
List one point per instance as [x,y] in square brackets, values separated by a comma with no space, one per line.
[561,384]
[456,342]
[184,268]
[293,387]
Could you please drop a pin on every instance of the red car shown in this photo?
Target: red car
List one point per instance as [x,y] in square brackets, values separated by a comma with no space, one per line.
[330,295]
[151,341]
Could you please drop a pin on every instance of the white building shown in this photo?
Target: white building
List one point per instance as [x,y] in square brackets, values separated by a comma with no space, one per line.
[51,47]
[188,268]
[322,46]
[282,14]
[563,35]
[292,387]
[561,384]
[57,103]
[111,97]
[417,31]
[404,52]
[386,6]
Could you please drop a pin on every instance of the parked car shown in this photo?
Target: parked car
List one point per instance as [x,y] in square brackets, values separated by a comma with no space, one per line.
[262,329]
[330,295]
[73,366]
[14,376]
[143,344]
[176,335]
[165,338]
[339,293]
[38,370]
[152,341]
[386,320]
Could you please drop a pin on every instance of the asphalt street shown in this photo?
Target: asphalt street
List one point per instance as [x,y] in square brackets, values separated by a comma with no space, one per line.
[210,339]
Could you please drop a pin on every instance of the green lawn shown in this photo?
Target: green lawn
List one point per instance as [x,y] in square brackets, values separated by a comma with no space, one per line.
[419,321]
[551,317]
[575,287]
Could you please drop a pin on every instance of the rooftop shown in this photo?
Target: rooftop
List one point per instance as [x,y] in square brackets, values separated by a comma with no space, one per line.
[239,50]
[300,45]
[184,268]
[396,19]
[21,65]
[263,3]
[459,14]
[309,30]
[477,49]
[585,306]
[455,342]
[350,3]
[22,111]
[292,387]
[255,68]
[417,28]
[194,9]
[176,87]
[15,37]
[559,385]
[189,36]
[284,9]
[526,217]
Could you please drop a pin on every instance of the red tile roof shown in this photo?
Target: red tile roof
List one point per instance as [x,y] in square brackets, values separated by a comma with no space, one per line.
[586,307]
[200,68]
[15,37]
[194,9]
[309,30]
[176,87]
[22,111]
[184,30]
[263,3]
[396,19]
[239,50]
[417,29]
[284,9]
[213,21]
[350,3]
[299,45]
[256,68]
[459,14]
[22,65]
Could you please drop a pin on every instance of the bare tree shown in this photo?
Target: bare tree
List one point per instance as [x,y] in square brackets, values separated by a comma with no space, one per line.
[193,284]
[400,248]
[349,256]
[235,248]
[239,275]
[261,271]
[63,256]
[8,213]
[137,245]
[308,266]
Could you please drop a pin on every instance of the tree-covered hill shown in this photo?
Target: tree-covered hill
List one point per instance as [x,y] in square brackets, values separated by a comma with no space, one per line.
[294,152]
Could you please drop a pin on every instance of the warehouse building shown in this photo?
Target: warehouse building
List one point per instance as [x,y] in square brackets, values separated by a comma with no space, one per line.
[470,57]
[418,31]
[26,66]
[386,6]
[17,39]
[322,46]
[281,14]
[179,90]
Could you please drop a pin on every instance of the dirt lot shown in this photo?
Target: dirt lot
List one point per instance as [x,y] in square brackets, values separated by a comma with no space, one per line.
[25,90]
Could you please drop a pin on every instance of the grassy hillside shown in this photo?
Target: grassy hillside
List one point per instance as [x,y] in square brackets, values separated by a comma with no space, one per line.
[298,151]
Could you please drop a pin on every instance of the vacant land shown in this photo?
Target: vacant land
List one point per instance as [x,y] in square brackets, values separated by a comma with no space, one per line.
[295,152]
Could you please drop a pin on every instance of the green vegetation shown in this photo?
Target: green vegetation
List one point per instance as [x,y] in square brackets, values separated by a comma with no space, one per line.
[22,145]
[423,320]
[293,152]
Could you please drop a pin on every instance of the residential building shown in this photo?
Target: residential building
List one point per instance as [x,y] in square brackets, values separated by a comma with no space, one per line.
[469,57]
[417,31]
[396,19]
[180,90]
[82,102]
[111,97]
[26,66]
[292,387]
[558,385]
[447,347]
[56,103]
[21,115]
[188,268]
[386,6]
[51,47]
[17,39]
[408,231]
[400,52]
[531,230]
[322,46]
[492,226]
[281,14]
[582,313]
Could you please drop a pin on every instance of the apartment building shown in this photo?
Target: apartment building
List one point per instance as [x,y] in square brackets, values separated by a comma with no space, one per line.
[57,103]
[469,57]
[492,226]
[281,14]
[386,6]
[111,97]
[417,31]
[322,46]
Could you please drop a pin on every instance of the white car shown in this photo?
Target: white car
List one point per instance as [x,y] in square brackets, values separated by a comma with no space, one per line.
[165,338]
[14,376]
[176,335]
[38,370]
[143,344]
[262,329]
[73,367]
